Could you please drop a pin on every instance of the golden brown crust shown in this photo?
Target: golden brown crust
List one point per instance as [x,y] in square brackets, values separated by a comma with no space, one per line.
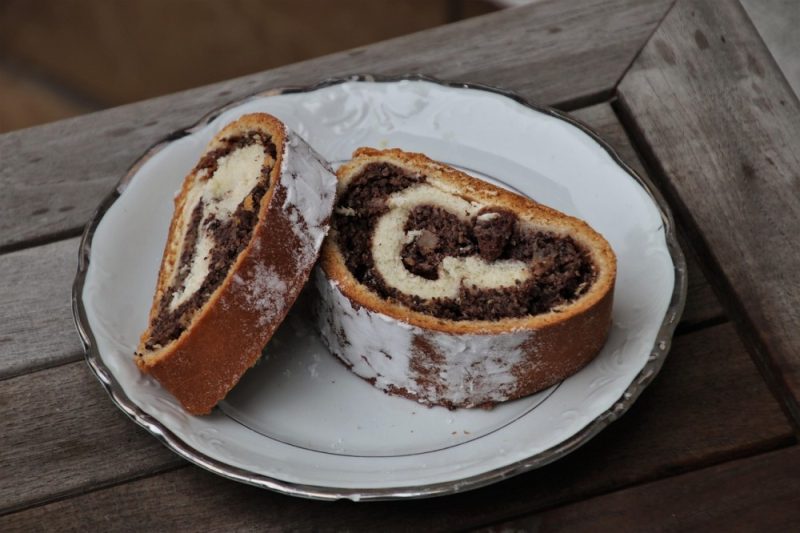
[474,189]
[228,333]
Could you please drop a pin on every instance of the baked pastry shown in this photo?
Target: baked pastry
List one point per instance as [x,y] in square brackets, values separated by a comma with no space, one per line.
[248,224]
[450,291]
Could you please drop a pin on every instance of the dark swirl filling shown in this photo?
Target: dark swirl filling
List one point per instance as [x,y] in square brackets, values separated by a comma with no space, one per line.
[230,237]
[560,268]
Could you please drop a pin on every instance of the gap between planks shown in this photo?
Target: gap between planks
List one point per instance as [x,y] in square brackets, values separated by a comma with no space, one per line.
[776,446]
[688,489]
[78,492]
[639,52]
[712,272]
[41,240]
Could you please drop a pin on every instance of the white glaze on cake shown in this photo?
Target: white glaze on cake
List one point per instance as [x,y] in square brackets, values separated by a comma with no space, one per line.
[310,194]
[472,369]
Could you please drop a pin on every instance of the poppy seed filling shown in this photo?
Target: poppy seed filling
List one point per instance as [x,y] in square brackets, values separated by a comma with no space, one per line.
[219,215]
[437,253]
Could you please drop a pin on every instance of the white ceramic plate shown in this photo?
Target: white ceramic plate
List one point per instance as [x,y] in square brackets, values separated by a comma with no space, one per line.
[299,422]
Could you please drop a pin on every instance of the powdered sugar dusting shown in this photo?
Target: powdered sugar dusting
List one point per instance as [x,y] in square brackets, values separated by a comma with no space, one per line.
[310,193]
[266,293]
[470,369]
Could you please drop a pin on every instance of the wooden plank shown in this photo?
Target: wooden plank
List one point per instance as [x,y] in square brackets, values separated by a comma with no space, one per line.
[60,434]
[36,326]
[553,52]
[716,118]
[702,306]
[759,493]
[708,405]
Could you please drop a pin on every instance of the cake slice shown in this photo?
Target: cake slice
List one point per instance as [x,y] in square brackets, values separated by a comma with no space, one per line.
[248,224]
[445,289]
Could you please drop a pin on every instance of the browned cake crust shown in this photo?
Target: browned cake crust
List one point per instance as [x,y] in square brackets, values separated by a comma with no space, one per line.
[452,360]
[226,335]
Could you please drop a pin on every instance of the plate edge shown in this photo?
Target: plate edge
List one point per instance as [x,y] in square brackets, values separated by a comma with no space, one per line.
[169,439]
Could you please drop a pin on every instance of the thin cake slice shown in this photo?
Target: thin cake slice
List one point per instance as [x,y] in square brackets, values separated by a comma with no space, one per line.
[443,288]
[247,228]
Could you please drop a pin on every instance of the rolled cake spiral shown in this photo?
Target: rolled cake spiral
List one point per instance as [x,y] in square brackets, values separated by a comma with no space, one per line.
[450,291]
[248,224]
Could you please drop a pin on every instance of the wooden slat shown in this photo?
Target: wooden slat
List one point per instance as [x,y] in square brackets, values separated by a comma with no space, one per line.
[707,382]
[60,433]
[716,117]
[759,493]
[53,176]
[36,326]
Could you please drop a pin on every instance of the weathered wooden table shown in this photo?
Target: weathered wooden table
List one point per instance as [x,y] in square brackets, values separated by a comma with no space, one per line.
[687,93]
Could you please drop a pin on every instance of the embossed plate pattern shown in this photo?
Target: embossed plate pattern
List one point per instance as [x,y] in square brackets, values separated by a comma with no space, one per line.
[299,422]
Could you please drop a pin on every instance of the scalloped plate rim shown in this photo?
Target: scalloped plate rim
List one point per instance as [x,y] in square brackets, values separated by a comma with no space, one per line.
[177,445]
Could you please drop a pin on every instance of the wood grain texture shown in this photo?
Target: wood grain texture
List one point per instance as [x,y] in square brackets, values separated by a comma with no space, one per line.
[759,493]
[707,382]
[60,434]
[716,118]
[552,52]
[36,326]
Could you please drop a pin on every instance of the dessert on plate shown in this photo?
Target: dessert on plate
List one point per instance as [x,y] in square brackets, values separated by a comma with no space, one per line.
[442,288]
[248,224]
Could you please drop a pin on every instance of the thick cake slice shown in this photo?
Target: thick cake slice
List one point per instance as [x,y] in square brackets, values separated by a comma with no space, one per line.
[445,289]
[247,228]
